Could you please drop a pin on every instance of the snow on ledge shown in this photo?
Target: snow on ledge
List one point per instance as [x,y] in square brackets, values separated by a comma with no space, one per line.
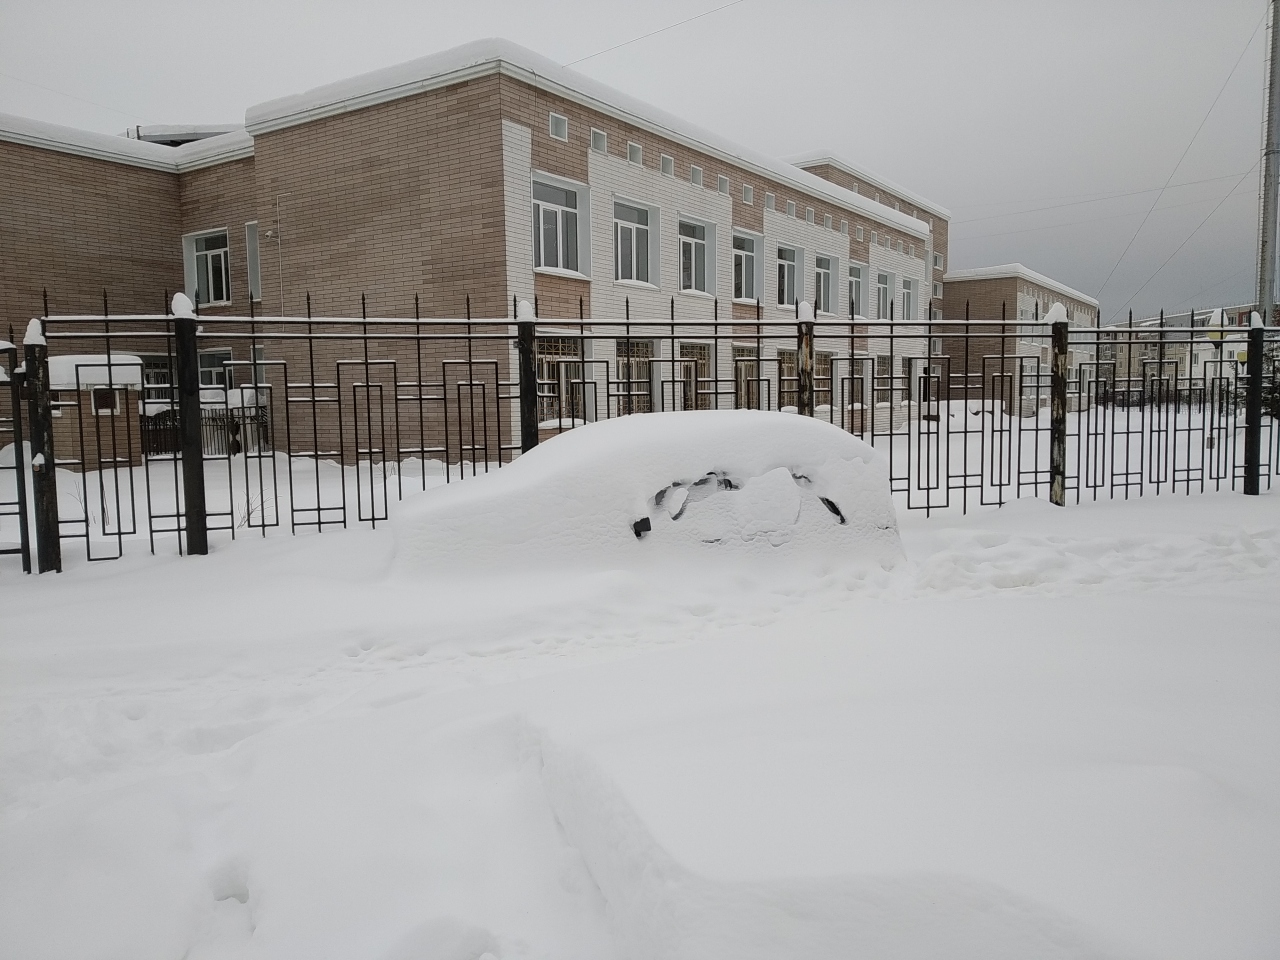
[693,485]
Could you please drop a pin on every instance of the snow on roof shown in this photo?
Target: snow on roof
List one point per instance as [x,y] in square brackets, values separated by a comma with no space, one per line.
[177,131]
[818,157]
[484,57]
[84,370]
[1009,270]
[139,153]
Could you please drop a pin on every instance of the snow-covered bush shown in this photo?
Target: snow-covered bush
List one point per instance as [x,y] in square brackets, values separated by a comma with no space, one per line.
[656,487]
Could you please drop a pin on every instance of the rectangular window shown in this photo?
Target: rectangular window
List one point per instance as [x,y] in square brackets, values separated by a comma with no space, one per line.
[744,268]
[748,193]
[822,284]
[214,371]
[722,185]
[770,202]
[635,386]
[555,227]
[908,300]
[746,378]
[213,269]
[826,221]
[937,291]
[105,401]
[599,141]
[822,365]
[558,361]
[259,367]
[695,364]
[911,249]
[668,166]
[844,227]
[559,127]
[935,345]
[882,296]
[693,257]
[900,250]
[695,176]
[635,153]
[808,214]
[874,239]
[788,379]
[630,243]
[857,303]
[251,260]
[786,277]
[859,234]
[937,261]
[791,208]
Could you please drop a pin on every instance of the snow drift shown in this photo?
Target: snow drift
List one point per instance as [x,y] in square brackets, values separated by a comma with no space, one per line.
[694,484]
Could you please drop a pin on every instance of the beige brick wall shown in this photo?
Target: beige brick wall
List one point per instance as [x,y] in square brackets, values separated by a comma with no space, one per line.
[77,226]
[224,196]
[985,299]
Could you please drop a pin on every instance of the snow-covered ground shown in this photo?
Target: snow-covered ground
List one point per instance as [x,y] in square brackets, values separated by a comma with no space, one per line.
[1044,733]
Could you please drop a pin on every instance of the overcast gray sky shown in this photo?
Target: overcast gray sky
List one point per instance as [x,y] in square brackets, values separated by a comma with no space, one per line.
[1039,124]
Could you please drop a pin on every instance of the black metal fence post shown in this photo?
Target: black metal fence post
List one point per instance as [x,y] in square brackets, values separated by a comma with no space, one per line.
[804,366]
[190,441]
[44,483]
[528,378]
[1058,417]
[1253,413]
[19,456]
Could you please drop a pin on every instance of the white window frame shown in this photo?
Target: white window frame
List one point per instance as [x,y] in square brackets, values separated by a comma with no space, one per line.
[858,289]
[558,119]
[722,184]
[938,261]
[211,373]
[808,214]
[747,265]
[827,221]
[937,291]
[748,194]
[599,140]
[790,275]
[641,236]
[195,261]
[635,153]
[695,175]
[94,392]
[770,201]
[884,294]
[844,227]
[667,163]
[791,208]
[690,246]
[860,236]
[909,299]
[582,220]
[822,283]
[874,239]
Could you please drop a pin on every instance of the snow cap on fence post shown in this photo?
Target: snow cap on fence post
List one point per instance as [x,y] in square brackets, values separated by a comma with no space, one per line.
[524,310]
[182,306]
[804,311]
[35,334]
[1255,320]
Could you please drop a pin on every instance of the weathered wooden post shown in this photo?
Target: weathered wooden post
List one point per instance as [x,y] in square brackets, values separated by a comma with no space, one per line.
[1058,417]
[190,441]
[44,482]
[804,361]
[528,376]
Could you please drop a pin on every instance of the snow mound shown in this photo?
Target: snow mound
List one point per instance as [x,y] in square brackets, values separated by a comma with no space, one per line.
[652,487]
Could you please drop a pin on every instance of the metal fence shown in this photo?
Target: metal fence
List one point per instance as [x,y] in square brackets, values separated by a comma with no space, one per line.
[164,428]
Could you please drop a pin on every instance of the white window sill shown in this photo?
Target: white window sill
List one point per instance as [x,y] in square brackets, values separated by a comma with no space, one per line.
[635,284]
[214,303]
[561,272]
[745,301]
[700,294]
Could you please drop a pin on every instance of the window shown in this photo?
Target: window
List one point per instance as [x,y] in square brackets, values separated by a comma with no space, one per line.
[791,208]
[259,367]
[693,257]
[559,127]
[635,359]
[826,221]
[937,291]
[937,261]
[911,249]
[857,291]
[770,202]
[252,262]
[786,277]
[874,240]
[744,268]
[896,206]
[213,269]
[822,284]
[214,371]
[808,214]
[668,166]
[822,364]
[746,377]
[908,300]
[599,141]
[105,400]
[630,243]
[844,227]
[695,176]
[935,345]
[859,234]
[722,185]
[748,193]
[882,296]
[900,250]
[555,227]
[695,364]
[560,388]
[788,379]
[635,153]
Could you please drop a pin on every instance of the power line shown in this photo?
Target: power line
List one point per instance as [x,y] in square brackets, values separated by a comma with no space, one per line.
[1194,137]
[1099,198]
[1104,195]
[654,33]
[1186,241]
[72,96]
[1217,283]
